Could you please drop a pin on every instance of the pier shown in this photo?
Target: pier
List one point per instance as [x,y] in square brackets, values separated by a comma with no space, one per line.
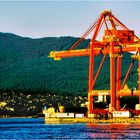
[92,120]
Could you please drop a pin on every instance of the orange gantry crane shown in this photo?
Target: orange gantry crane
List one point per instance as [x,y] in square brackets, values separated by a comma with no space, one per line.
[116,40]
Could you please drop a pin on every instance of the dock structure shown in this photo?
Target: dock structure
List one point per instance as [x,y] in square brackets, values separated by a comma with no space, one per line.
[52,117]
[91,120]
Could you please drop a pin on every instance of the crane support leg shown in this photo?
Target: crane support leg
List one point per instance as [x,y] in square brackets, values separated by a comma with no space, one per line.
[90,99]
[91,63]
[91,66]
[91,71]
[139,73]
[118,82]
[112,75]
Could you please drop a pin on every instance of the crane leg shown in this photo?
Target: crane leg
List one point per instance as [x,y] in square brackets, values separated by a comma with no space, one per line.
[139,74]
[112,76]
[91,71]
[118,82]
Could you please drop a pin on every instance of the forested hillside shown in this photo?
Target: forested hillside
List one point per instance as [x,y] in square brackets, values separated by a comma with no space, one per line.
[25,66]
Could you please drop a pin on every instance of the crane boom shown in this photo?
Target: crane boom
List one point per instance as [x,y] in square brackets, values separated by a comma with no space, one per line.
[57,55]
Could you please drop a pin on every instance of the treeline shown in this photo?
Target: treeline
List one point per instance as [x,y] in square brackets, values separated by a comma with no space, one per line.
[25,66]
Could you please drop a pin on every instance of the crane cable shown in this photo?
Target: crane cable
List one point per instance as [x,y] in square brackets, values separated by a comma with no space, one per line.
[85,34]
[128,72]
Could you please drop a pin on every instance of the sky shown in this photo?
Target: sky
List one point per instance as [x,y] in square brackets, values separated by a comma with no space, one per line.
[38,19]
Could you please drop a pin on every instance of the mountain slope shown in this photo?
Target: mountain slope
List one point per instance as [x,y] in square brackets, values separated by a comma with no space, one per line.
[24,65]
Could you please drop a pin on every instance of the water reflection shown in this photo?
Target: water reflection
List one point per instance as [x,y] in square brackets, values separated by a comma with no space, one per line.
[35,128]
[114,131]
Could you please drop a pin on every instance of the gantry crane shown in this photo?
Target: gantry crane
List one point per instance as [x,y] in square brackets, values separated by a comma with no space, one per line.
[116,40]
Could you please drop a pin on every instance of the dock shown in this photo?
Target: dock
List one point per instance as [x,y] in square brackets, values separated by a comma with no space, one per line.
[91,120]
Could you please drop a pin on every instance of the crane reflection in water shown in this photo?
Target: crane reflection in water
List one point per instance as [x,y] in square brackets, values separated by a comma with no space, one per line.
[114,131]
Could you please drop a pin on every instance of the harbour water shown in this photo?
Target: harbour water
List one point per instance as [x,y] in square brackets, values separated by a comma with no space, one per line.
[35,128]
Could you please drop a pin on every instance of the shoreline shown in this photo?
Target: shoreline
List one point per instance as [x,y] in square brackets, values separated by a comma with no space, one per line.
[22,117]
[134,120]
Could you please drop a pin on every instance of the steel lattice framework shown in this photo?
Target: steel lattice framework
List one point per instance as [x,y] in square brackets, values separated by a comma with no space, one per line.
[116,40]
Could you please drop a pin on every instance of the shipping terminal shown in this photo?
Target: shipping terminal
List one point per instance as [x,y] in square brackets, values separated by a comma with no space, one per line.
[116,40]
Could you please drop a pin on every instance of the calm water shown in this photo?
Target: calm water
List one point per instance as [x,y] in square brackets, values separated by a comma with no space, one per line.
[35,128]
